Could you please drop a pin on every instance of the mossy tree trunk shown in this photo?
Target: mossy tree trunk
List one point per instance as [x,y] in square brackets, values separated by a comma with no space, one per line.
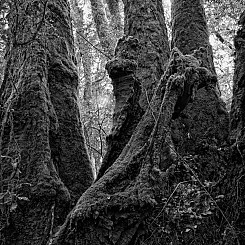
[134,202]
[205,121]
[140,58]
[234,186]
[44,163]
[119,207]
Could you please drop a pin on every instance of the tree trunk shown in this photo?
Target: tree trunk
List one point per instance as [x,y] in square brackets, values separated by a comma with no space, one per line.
[44,164]
[118,208]
[84,52]
[205,121]
[237,108]
[102,27]
[116,19]
[234,183]
[140,57]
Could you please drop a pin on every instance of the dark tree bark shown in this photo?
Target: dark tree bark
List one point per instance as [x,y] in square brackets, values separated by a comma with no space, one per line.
[140,57]
[205,121]
[234,182]
[134,202]
[126,205]
[44,164]
[118,208]
[237,107]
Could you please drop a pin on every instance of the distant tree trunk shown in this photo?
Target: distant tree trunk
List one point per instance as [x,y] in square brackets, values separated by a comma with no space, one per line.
[102,27]
[84,57]
[205,121]
[44,164]
[84,51]
[140,58]
[116,19]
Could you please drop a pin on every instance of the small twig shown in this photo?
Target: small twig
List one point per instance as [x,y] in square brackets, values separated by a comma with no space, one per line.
[100,51]
[94,149]
[149,104]
[51,225]
[38,28]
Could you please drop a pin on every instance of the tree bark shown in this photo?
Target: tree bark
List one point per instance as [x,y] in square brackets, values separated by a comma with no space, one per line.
[102,27]
[116,19]
[237,108]
[43,157]
[234,182]
[140,57]
[205,121]
[118,208]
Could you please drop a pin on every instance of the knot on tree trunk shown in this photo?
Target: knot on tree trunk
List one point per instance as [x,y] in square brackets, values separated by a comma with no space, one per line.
[187,74]
[118,68]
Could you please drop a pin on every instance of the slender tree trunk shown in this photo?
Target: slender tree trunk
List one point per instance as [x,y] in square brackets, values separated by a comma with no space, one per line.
[102,27]
[140,57]
[41,140]
[84,51]
[116,19]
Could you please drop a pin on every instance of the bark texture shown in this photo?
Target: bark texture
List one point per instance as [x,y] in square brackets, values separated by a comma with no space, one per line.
[118,208]
[237,108]
[116,19]
[145,21]
[206,119]
[102,26]
[44,164]
[234,183]
[140,58]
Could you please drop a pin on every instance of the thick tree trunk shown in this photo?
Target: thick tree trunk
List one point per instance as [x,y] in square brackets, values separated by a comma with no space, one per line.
[144,20]
[205,121]
[118,208]
[140,58]
[44,164]
[237,108]
[234,182]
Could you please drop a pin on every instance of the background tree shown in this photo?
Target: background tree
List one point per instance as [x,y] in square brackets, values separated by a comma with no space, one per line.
[116,19]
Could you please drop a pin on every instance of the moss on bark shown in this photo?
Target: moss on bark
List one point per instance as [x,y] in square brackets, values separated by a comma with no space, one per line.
[145,45]
[41,144]
[205,121]
[116,208]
